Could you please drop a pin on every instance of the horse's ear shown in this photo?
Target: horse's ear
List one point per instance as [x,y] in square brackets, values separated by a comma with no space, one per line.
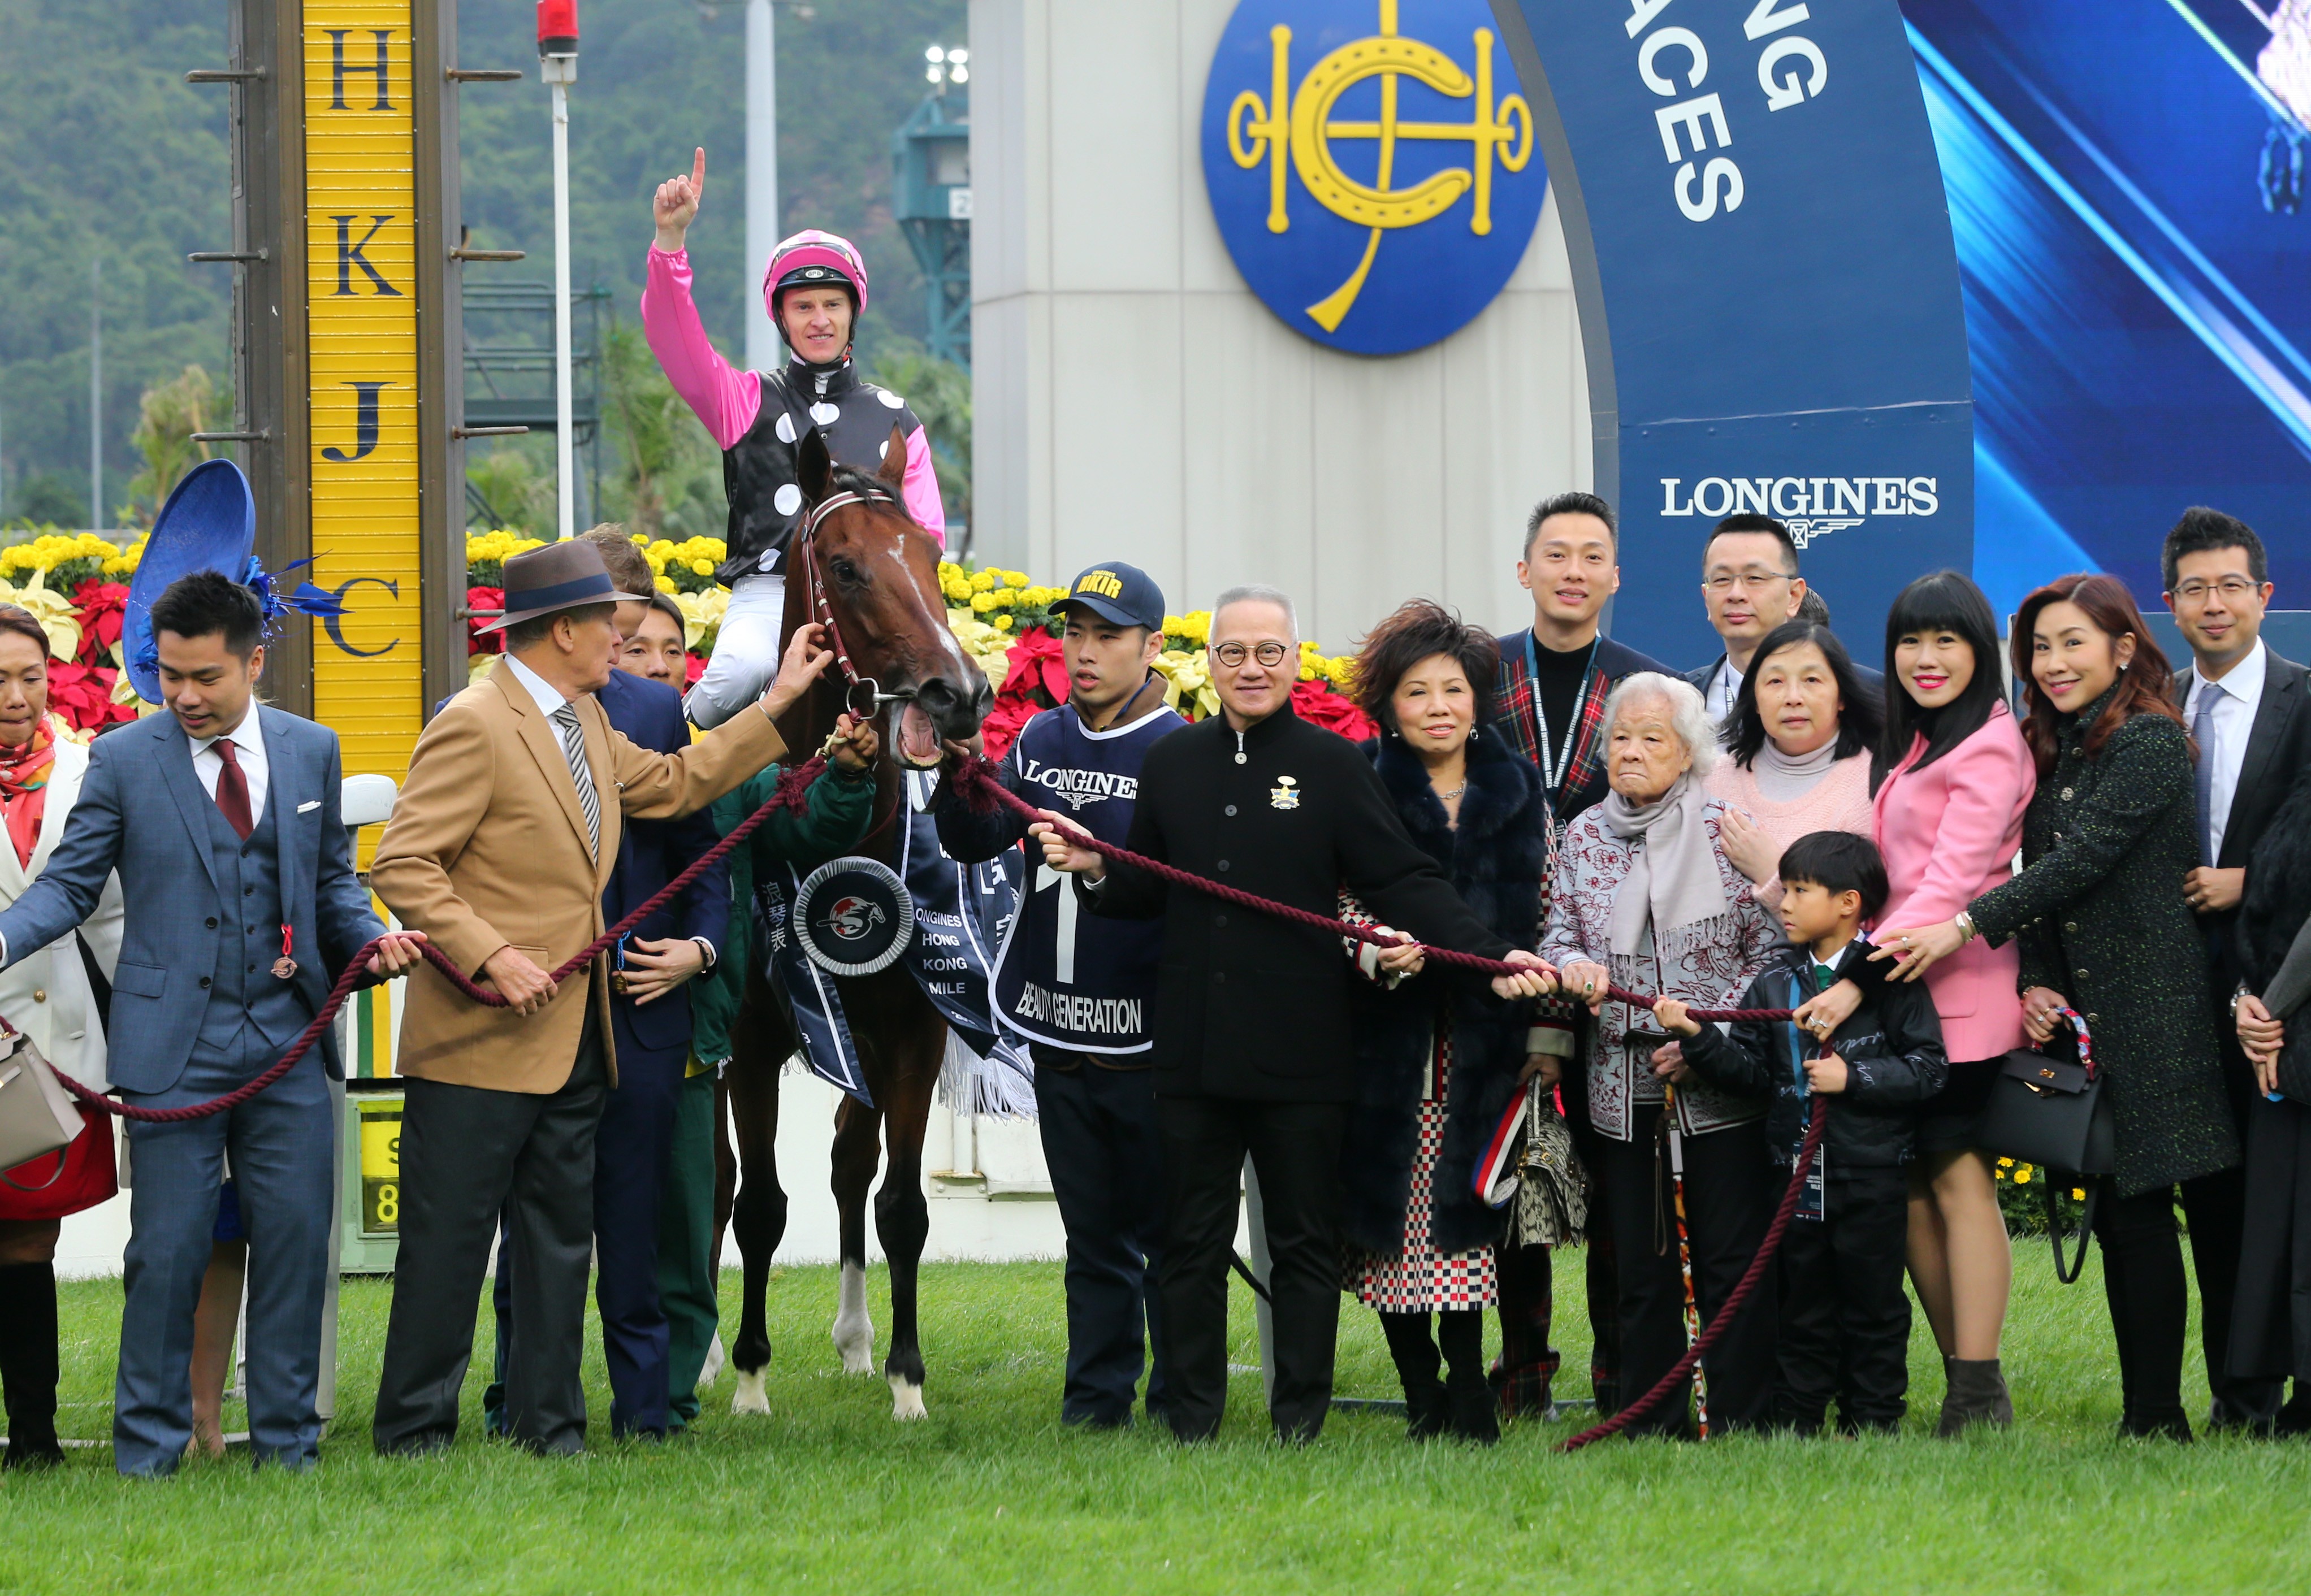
[893,472]
[814,467]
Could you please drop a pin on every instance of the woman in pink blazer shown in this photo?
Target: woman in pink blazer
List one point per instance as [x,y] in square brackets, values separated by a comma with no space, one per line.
[1948,820]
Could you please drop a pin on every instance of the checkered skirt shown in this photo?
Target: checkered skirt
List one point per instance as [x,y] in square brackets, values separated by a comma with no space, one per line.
[1419,1279]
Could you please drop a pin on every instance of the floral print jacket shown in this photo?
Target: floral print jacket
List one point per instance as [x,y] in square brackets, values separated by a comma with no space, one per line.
[1708,964]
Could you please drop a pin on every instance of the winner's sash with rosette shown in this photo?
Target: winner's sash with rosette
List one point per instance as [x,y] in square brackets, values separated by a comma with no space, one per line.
[938,917]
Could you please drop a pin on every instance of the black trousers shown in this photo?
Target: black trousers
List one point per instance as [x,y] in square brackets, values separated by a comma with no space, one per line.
[2216,1207]
[468,1153]
[1729,1203]
[1105,1155]
[2149,1305]
[1844,1315]
[1295,1152]
[1601,1276]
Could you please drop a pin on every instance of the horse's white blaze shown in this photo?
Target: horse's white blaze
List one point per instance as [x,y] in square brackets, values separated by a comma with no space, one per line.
[854,1332]
[750,1397]
[906,1399]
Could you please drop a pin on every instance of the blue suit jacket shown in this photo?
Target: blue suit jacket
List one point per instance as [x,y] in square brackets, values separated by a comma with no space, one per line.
[652,853]
[144,812]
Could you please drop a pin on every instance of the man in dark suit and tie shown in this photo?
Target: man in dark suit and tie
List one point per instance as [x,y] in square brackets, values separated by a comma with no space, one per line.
[2247,711]
[1749,584]
[242,908]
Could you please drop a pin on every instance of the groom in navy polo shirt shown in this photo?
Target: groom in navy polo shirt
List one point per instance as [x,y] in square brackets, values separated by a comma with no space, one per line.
[1078,987]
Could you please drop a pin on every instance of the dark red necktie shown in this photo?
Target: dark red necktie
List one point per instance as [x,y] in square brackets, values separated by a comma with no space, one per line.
[232,789]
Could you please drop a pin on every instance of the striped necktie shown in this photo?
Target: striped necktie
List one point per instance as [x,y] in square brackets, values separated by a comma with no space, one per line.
[573,748]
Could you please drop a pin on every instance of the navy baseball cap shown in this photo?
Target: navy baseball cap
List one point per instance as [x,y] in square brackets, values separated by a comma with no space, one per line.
[1122,594]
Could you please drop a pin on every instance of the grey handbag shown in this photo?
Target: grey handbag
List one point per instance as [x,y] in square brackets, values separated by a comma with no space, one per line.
[37,1115]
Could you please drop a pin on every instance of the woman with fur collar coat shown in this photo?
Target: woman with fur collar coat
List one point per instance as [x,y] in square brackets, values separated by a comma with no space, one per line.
[1439,1058]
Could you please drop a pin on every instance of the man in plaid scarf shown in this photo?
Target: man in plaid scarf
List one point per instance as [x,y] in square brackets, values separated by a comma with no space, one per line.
[1550,704]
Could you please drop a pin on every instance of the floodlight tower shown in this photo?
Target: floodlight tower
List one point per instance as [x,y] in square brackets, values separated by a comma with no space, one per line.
[930,156]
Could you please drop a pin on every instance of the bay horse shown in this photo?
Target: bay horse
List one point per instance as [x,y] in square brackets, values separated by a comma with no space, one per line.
[868,573]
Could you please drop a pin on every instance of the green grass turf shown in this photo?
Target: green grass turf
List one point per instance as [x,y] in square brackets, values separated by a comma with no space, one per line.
[992,1494]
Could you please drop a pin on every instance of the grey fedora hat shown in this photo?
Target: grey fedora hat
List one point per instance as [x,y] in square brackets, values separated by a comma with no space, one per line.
[559,576]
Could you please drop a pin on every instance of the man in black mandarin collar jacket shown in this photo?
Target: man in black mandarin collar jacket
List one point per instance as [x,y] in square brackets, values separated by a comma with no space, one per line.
[1252,1050]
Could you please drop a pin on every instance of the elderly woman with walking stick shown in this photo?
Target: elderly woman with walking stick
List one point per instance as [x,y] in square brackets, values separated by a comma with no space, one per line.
[1645,898]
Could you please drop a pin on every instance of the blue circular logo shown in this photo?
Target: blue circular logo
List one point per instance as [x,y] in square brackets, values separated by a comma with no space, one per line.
[1371,164]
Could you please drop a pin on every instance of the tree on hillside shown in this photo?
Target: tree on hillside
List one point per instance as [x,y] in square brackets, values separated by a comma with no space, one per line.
[168,415]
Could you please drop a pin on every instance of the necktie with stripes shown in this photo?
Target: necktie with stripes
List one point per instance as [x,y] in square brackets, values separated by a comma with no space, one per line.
[573,748]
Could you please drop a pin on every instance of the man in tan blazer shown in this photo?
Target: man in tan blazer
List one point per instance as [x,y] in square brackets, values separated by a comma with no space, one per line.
[499,848]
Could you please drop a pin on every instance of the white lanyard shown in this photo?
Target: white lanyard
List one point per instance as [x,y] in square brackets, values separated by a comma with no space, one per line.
[1554,769]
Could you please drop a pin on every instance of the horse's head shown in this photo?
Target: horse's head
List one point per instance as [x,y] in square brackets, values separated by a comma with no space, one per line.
[867,566]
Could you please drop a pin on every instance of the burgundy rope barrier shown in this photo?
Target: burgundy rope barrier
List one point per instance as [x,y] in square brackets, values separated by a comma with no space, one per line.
[789,796]
[979,785]
[1723,1320]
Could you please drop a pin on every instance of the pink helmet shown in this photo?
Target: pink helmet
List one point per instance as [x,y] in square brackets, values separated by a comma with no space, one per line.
[811,258]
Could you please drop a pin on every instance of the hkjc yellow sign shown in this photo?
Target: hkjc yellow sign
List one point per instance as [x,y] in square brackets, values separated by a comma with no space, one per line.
[362,324]
[1408,114]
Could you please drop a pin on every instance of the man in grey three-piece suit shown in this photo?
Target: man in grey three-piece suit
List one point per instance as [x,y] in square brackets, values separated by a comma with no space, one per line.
[242,908]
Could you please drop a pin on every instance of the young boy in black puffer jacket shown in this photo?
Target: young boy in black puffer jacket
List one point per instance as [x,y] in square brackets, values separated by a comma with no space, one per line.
[1845,1316]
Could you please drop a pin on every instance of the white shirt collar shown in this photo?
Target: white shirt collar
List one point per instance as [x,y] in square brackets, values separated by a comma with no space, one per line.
[2243,681]
[548,697]
[248,735]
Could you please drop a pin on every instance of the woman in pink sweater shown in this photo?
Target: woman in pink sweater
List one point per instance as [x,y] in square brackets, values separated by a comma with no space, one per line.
[1800,731]
[1949,823]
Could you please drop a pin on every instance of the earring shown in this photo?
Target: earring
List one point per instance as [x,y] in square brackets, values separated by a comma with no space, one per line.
[1473,734]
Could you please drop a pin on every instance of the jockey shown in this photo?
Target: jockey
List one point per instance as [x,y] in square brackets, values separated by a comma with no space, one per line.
[815,286]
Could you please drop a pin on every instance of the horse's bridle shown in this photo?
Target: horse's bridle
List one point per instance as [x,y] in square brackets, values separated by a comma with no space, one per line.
[814,590]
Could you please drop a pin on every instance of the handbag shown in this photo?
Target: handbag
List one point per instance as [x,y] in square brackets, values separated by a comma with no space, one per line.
[37,1115]
[2052,1112]
[1550,1204]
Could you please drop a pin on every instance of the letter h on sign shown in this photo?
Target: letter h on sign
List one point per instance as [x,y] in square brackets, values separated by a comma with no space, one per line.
[339,69]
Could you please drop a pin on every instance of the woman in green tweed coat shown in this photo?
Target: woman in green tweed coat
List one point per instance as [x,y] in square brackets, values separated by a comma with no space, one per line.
[2099,915]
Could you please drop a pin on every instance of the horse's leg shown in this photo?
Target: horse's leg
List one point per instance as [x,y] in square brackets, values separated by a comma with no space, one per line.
[902,1217]
[760,1041]
[855,1153]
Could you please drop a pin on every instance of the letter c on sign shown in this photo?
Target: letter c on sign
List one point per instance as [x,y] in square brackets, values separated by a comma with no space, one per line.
[332,622]
[1685,37]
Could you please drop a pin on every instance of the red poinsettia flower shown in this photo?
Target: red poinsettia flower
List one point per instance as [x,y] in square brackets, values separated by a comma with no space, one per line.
[478,641]
[1319,703]
[1005,722]
[102,605]
[1037,660]
[83,695]
[694,667]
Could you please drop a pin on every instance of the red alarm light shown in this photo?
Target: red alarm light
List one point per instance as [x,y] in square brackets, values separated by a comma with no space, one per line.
[557,27]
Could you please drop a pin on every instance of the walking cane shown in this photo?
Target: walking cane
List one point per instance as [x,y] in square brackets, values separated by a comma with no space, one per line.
[1684,1255]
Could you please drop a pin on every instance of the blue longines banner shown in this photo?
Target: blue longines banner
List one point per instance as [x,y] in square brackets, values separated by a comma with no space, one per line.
[1769,291]
[1371,164]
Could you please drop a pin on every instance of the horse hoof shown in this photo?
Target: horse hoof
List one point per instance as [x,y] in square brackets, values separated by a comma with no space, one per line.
[750,1397]
[906,1399]
[711,1370]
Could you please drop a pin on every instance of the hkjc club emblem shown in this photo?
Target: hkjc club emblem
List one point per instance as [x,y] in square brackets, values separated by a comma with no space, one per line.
[853,916]
[1371,165]
[1285,794]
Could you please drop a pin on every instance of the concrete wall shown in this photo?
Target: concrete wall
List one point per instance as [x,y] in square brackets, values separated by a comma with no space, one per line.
[1131,397]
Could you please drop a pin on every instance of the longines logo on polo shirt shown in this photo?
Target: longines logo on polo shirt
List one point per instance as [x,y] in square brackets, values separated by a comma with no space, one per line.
[1809,506]
[1080,787]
